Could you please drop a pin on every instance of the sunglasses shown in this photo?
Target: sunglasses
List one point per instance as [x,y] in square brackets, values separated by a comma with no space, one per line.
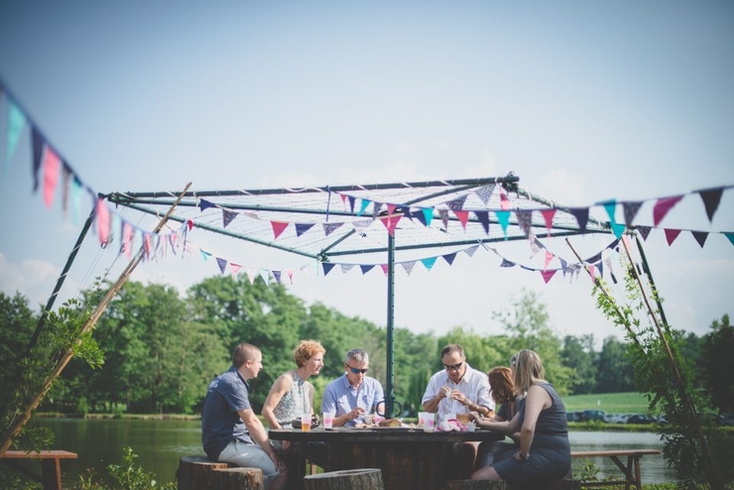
[355,370]
[455,367]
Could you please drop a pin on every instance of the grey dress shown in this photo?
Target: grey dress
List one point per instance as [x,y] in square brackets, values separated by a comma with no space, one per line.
[550,452]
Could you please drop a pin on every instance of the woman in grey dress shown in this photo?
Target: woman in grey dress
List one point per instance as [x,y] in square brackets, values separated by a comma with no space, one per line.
[544,452]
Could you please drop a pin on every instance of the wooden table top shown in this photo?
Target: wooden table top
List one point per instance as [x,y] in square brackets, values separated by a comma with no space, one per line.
[45,454]
[380,434]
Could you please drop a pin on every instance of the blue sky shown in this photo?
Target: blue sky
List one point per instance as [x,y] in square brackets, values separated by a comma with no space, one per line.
[585,101]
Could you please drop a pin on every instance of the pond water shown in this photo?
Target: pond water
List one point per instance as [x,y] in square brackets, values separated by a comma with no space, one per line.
[160,443]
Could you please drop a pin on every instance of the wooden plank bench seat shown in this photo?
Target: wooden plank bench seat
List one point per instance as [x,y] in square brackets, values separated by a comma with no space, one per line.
[50,465]
[631,470]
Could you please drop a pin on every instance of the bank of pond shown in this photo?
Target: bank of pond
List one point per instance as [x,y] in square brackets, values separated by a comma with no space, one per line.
[160,443]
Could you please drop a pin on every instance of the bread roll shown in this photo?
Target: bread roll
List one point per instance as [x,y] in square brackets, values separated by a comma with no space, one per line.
[390,423]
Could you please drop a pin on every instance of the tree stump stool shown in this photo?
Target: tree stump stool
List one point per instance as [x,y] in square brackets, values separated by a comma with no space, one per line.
[200,473]
[359,479]
[238,479]
[503,485]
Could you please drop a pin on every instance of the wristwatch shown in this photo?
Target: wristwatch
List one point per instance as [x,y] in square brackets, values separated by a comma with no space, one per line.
[524,457]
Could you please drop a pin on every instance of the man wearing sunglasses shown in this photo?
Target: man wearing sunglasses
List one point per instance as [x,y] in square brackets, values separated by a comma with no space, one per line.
[354,393]
[458,389]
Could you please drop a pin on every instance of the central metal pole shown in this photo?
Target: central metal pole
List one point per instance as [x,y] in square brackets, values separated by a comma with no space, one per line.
[389,394]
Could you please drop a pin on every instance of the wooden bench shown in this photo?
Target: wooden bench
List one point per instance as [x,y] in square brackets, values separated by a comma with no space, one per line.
[631,470]
[200,473]
[50,465]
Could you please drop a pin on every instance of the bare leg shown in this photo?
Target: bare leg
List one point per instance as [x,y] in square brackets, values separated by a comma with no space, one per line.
[279,482]
[486,473]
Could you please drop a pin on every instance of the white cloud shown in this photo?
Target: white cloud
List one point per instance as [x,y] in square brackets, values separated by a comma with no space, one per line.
[34,279]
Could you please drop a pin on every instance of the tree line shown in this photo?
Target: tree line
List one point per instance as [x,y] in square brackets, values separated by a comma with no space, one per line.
[162,348]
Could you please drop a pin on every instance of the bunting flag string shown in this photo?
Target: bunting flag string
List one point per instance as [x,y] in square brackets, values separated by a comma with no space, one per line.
[50,170]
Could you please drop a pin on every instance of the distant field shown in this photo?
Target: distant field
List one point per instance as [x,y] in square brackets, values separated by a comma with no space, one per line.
[631,402]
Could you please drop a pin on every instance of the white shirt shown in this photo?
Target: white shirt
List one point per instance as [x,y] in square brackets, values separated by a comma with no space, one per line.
[474,385]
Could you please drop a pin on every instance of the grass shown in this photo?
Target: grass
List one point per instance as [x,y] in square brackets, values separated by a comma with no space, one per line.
[630,402]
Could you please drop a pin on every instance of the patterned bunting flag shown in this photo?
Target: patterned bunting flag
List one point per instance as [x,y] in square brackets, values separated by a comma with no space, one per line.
[700,237]
[507,263]
[408,266]
[662,207]
[346,267]
[443,214]
[485,193]
[330,227]
[671,235]
[711,199]
[630,210]
[524,219]
[457,203]
[644,231]
[222,263]
[227,217]
[471,250]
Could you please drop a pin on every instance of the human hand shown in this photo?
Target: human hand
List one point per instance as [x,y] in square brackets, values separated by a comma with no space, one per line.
[445,392]
[356,413]
[459,396]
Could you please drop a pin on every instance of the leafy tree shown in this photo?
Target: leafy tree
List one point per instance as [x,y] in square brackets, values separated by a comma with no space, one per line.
[717,363]
[527,325]
[578,354]
[615,371]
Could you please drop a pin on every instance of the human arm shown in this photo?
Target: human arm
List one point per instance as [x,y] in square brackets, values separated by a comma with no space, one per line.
[433,395]
[536,401]
[279,388]
[330,403]
[257,432]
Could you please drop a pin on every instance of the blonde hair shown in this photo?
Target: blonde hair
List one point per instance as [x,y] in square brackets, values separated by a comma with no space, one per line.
[305,350]
[528,370]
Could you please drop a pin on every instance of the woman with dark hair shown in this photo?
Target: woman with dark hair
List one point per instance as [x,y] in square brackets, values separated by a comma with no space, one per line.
[503,394]
[544,453]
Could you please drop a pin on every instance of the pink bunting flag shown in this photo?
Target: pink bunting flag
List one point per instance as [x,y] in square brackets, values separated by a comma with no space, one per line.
[384,268]
[548,215]
[278,228]
[548,257]
[548,274]
[662,207]
[671,235]
[51,167]
[391,222]
[463,217]
[103,221]
[504,200]
[290,275]
[190,224]
[235,268]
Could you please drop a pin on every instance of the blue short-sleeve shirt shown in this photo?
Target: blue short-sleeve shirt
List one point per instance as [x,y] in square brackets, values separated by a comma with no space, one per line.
[340,397]
[220,422]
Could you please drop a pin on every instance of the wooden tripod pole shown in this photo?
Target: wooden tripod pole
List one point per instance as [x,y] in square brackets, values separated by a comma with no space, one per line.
[18,424]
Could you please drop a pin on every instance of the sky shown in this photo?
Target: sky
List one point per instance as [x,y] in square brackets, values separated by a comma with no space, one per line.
[584,101]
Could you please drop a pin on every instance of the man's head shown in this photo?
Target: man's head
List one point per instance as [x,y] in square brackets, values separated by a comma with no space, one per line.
[247,358]
[356,363]
[454,362]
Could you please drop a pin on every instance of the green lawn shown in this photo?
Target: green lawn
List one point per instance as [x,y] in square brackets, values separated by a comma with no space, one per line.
[631,402]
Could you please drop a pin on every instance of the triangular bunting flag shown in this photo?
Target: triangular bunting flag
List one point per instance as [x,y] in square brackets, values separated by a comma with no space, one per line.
[548,274]
[204,204]
[471,250]
[711,199]
[644,231]
[251,274]
[671,235]
[730,237]
[204,254]
[457,203]
[700,237]
[276,275]
[390,223]
[227,217]
[103,221]
[548,215]
[327,266]
[504,219]
[190,224]
[290,275]
[302,228]
[278,228]
[485,193]
[408,266]
[346,267]
[524,219]
[428,263]
[610,207]
[384,268]
[483,218]
[630,210]
[427,216]
[582,217]
[16,123]
[51,167]
[365,203]
[443,214]
[662,206]
[507,263]
[38,144]
[265,274]
[222,263]
[548,257]
[449,258]
[352,200]
[617,228]
[504,200]
[463,217]
[330,227]
[235,268]
[366,268]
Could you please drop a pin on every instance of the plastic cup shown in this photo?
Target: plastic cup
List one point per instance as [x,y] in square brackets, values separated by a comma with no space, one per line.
[427,421]
[306,422]
[328,418]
